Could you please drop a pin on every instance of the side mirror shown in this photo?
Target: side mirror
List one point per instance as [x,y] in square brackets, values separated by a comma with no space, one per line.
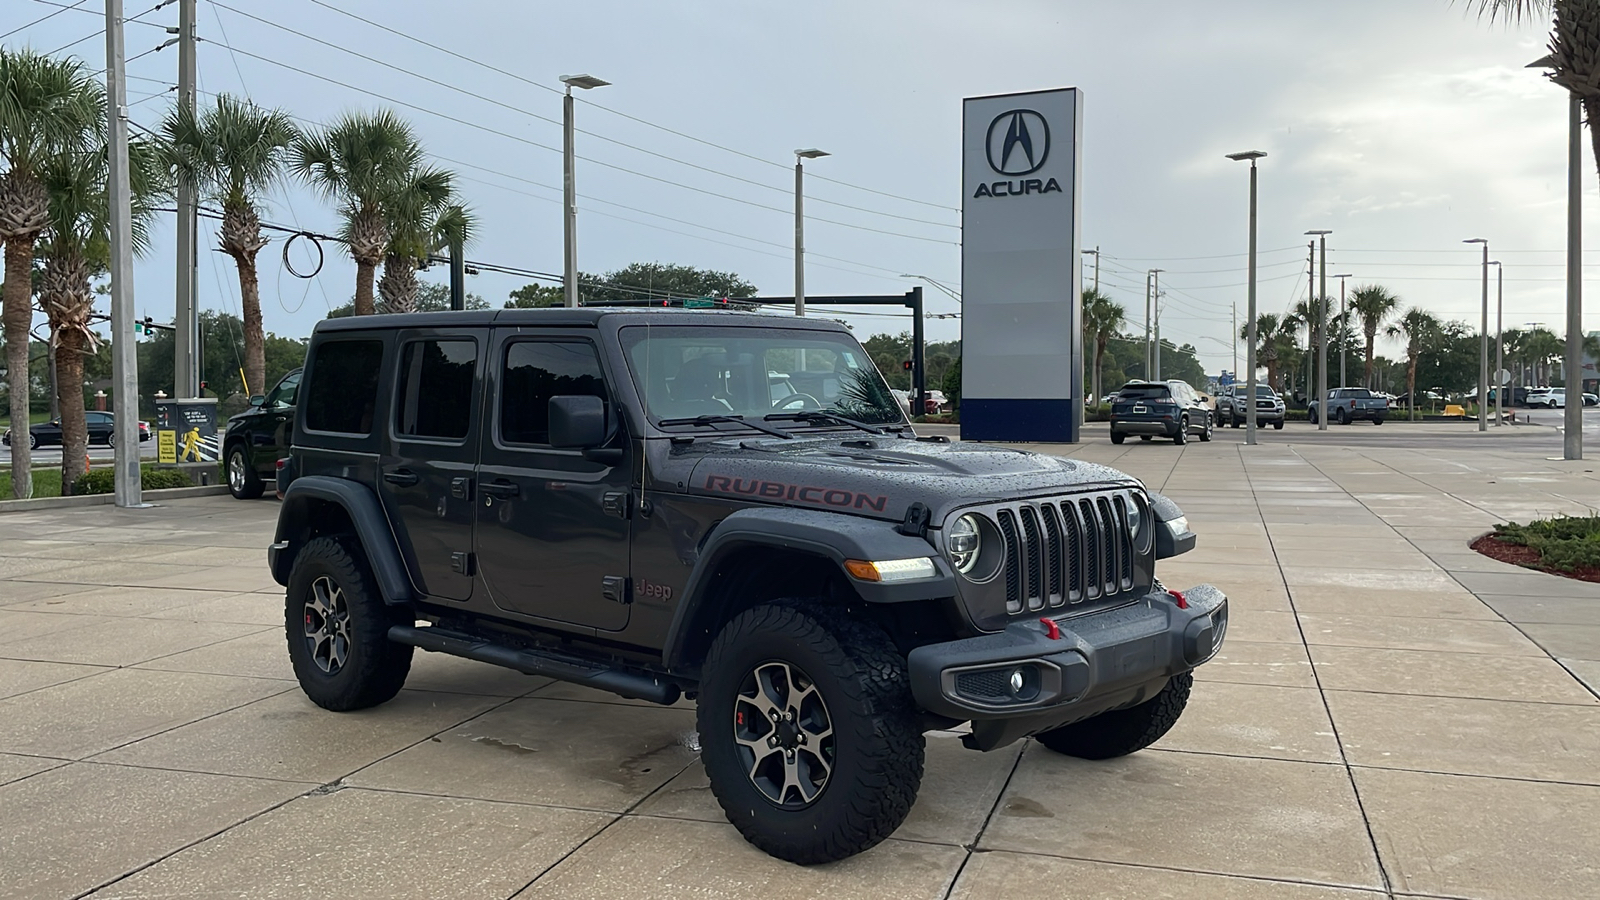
[577,422]
[257,399]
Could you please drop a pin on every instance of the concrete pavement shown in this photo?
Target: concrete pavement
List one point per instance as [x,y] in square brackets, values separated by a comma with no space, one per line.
[1393,715]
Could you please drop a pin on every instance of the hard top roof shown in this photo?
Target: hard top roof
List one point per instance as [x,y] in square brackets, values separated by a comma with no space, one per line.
[590,316]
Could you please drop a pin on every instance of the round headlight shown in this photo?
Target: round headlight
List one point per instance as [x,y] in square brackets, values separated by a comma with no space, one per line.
[962,542]
[1135,518]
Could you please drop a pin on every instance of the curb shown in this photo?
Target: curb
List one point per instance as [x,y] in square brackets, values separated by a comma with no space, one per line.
[106,499]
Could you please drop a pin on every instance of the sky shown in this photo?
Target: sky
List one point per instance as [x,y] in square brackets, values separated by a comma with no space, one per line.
[1403,127]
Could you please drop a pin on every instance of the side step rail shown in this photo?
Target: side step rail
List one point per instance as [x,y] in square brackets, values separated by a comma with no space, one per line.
[632,685]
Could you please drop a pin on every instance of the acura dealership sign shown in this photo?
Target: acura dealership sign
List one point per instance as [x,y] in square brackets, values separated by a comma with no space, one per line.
[1021,344]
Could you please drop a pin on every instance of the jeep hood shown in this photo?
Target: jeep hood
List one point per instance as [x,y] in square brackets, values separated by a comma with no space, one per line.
[882,476]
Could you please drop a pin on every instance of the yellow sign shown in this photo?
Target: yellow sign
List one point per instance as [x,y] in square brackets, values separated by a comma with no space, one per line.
[191,445]
[166,446]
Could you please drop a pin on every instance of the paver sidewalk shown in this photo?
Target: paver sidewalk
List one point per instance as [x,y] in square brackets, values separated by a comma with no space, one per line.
[1392,715]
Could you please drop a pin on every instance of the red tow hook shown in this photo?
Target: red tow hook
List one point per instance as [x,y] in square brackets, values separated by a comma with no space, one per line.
[1051,629]
[1183,602]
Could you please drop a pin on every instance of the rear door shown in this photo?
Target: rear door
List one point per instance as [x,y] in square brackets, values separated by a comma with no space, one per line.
[273,433]
[553,528]
[99,426]
[425,474]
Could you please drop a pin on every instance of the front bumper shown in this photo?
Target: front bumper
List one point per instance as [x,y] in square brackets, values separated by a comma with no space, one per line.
[1100,661]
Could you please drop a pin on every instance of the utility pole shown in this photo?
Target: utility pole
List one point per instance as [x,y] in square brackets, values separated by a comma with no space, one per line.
[1158,328]
[1096,252]
[1153,351]
[1483,342]
[1499,357]
[124,356]
[1149,374]
[1344,328]
[1236,346]
[186,337]
[1572,434]
[1319,308]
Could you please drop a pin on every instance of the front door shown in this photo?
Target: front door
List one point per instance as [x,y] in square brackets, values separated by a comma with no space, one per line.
[425,475]
[552,527]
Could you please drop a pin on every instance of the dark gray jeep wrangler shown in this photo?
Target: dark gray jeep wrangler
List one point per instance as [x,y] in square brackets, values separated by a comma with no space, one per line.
[729,507]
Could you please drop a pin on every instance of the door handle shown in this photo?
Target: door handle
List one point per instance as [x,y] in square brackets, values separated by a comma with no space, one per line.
[505,490]
[402,477]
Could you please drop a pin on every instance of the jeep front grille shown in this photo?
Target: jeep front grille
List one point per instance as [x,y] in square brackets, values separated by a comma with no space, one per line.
[1067,551]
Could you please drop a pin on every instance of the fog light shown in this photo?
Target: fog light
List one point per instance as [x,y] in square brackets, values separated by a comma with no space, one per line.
[1018,682]
[1023,683]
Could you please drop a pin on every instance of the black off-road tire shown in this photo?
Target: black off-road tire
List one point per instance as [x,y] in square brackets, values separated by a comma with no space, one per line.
[1118,437]
[877,740]
[1123,731]
[373,668]
[244,484]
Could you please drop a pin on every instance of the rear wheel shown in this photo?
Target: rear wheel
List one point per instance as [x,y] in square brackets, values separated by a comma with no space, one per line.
[1205,435]
[1118,437]
[338,629]
[808,732]
[243,482]
[1146,437]
[1182,437]
[1340,417]
[1123,731]
[1377,420]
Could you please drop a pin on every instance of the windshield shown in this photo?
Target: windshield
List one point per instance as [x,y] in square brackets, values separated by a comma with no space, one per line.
[685,371]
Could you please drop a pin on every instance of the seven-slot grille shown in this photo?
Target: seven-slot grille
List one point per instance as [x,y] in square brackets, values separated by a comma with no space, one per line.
[1065,551]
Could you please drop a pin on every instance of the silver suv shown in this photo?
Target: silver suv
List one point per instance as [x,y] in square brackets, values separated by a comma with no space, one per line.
[1231,408]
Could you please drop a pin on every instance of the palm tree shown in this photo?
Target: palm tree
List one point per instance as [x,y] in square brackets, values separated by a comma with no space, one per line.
[422,220]
[230,154]
[77,246]
[1274,335]
[1373,305]
[362,162]
[1102,319]
[1415,328]
[47,106]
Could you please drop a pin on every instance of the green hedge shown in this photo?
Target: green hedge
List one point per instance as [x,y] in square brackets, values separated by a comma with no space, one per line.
[1565,543]
[151,478]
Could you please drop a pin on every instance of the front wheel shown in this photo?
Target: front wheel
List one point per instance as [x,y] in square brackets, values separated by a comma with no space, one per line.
[1311,416]
[33,441]
[243,482]
[808,732]
[338,629]
[1123,731]
[1278,425]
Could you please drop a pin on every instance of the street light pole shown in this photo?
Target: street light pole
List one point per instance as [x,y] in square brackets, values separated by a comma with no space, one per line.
[800,156]
[1096,252]
[569,186]
[1149,375]
[1320,310]
[1483,341]
[185,358]
[1499,356]
[1250,323]
[1344,327]
[1572,434]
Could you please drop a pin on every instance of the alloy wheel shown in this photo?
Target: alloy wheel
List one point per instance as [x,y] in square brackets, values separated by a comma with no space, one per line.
[784,734]
[236,472]
[327,625]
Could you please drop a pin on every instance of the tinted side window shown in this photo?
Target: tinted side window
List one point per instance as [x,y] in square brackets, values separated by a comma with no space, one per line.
[435,395]
[343,392]
[534,372]
[283,394]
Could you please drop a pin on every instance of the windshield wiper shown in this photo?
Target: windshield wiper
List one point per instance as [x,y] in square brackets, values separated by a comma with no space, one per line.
[813,416]
[736,420]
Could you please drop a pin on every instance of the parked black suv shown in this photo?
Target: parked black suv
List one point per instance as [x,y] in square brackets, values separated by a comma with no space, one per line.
[1152,409]
[258,437]
[619,498]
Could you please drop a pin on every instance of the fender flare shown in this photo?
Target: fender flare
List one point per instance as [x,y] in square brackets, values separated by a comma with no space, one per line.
[823,534]
[366,515]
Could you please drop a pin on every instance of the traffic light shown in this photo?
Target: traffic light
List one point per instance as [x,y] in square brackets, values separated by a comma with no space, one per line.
[906,365]
[149,328]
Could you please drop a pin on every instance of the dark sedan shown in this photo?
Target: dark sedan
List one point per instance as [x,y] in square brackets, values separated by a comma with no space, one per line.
[102,430]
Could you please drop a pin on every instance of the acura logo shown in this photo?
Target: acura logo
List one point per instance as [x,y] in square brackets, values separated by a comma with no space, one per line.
[1018,142]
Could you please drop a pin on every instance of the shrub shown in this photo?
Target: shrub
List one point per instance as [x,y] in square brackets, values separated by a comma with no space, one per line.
[151,478]
[1565,543]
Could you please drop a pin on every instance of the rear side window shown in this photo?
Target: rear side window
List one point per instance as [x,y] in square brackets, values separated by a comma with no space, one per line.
[343,392]
[435,395]
[1145,392]
[534,372]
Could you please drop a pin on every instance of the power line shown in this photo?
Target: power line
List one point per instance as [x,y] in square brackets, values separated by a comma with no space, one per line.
[46,17]
[524,112]
[619,113]
[533,143]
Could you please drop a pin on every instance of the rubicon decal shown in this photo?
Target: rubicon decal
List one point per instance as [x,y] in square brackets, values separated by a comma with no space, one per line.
[778,490]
